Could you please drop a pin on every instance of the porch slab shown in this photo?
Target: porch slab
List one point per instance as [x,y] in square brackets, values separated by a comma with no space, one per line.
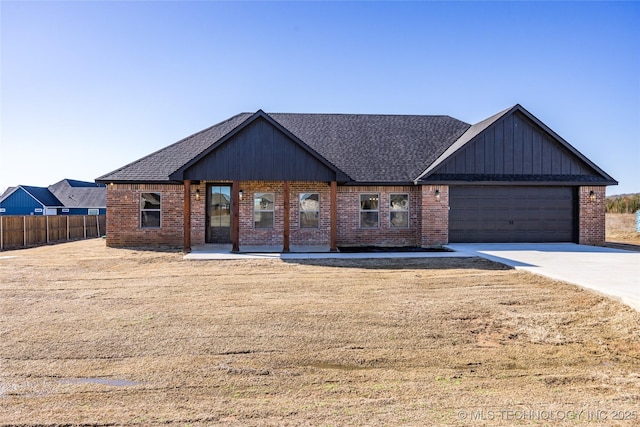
[222,248]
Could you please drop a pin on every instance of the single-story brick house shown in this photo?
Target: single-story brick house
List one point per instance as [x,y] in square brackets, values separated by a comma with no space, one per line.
[352,179]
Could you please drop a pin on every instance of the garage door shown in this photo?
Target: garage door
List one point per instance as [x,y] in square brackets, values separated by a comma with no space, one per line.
[511,214]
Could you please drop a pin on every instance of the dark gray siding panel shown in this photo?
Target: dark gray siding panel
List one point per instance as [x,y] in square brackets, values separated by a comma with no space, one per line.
[515,146]
[260,152]
[512,214]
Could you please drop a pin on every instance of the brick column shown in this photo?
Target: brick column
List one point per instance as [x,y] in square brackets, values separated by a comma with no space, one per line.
[591,202]
[435,215]
[287,217]
[186,246]
[333,245]
[235,216]
[198,208]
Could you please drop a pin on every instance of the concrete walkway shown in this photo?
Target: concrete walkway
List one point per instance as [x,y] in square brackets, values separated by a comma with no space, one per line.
[223,252]
[612,272]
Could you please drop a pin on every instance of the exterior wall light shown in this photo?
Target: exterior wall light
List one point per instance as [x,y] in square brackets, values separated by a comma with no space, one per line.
[198,194]
[592,196]
[437,195]
[240,194]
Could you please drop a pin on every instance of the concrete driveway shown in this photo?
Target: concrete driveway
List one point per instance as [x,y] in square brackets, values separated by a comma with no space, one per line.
[612,272]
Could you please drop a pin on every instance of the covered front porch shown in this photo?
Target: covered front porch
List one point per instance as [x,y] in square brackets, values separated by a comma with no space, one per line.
[235,223]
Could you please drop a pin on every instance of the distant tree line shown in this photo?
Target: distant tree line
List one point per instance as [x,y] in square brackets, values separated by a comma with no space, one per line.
[625,203]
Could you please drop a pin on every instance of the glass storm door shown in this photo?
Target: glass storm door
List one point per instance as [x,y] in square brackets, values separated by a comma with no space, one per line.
[219,214]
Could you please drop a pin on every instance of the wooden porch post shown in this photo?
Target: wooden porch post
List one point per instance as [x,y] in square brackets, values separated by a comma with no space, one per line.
[187,216]
[287,218]
[334,217]
[235,216]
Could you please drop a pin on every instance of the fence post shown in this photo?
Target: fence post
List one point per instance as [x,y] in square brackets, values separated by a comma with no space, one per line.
[1,233]
[68,232]
[98,224]
[47,225]
[24,230]
[84,225]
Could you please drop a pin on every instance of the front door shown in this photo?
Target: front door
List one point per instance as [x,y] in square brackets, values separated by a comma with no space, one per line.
[218,214]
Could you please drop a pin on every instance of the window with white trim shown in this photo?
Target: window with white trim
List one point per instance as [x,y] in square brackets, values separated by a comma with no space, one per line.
[369,210]
[399,210]
[263,204]
[150,210]
[309,210]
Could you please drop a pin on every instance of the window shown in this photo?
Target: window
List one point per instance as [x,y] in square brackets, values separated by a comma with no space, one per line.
[150,210]
[263,210]
[399,210]
[309,210]
[91,211]
[369,212]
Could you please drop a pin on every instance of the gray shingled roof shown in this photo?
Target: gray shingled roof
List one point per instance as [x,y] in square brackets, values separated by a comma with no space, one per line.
[79,194]
[375,148]
[156,167]
[368,148]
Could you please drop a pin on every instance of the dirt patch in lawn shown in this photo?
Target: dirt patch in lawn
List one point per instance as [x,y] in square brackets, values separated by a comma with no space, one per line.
[91,335]
[621,228]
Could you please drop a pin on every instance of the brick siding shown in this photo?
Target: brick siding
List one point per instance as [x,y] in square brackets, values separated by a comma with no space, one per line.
[350,233]
[320,236]
[435,215]
[428,216]
[198,213]
[123,216]
[592,216]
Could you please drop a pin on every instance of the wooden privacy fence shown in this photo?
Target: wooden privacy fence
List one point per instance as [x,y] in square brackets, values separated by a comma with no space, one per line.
[24,231]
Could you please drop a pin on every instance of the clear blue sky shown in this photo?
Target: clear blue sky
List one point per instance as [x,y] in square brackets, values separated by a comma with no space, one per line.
[90,86]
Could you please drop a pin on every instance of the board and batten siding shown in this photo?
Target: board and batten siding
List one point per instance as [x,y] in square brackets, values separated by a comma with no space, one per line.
[515,146]
[260,152]
[21,203]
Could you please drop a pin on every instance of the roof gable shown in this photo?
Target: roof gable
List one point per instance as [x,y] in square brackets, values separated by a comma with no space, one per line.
[259,149]
[9,191]
[157,166]
[513,145]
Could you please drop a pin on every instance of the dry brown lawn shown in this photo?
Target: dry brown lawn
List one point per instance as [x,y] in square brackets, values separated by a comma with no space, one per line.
[621,228]
[91,335]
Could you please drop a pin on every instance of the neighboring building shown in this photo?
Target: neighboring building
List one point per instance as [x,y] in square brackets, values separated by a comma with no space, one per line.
[351,180]
[67,197]
[80,197]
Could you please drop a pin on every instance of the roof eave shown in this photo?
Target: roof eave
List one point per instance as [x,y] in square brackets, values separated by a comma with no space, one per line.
[378,183]
[133,181]
[520,182]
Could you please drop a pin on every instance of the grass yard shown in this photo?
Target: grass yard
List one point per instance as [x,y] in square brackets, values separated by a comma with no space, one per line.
[91,335]
[621,228]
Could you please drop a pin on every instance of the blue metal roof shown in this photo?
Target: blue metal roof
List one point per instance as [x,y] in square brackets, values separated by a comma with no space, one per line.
[43,195]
